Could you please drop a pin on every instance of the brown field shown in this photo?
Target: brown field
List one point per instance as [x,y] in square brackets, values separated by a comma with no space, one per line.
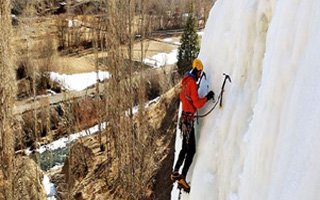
[86,63]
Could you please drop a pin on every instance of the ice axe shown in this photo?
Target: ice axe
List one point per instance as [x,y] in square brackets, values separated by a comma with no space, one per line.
[226,77]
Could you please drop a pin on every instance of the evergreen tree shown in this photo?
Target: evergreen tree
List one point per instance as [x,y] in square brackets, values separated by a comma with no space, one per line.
[190,47]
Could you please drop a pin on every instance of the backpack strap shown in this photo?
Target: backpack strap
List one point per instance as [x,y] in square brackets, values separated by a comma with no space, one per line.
[185,94]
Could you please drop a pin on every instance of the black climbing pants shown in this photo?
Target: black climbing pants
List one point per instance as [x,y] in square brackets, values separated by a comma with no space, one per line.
[188,146]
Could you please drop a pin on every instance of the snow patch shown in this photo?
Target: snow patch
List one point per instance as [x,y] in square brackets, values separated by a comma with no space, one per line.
[167,40]
[146,105]
[162,59]
[49,188]
[63,142]
[80,81]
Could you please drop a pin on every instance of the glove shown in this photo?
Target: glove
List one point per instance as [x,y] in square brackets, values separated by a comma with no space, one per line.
[210,95]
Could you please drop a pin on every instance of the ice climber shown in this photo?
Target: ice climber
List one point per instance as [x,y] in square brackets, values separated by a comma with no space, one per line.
[190,103]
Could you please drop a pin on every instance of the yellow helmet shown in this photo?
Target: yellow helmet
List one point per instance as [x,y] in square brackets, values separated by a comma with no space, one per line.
[197,64]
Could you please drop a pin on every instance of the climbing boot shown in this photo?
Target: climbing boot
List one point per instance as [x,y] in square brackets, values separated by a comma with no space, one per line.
[182,183]
[175,176]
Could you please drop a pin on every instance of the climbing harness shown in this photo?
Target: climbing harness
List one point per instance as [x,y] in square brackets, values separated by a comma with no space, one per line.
[227,77]
[186,124]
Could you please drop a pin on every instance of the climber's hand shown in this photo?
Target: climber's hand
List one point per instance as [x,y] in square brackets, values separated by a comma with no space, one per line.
[210,95]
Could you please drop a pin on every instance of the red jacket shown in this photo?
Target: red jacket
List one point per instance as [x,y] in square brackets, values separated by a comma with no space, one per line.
[189,95]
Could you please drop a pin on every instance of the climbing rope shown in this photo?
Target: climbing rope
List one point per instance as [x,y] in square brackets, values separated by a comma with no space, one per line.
[227,77]
[214,106]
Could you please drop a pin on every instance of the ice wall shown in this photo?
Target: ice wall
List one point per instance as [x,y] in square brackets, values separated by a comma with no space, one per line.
[265,141]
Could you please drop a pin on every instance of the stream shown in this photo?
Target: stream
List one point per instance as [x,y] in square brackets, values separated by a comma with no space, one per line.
[53,155]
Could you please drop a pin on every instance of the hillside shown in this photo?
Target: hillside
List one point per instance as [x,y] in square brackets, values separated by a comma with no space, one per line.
[91,173]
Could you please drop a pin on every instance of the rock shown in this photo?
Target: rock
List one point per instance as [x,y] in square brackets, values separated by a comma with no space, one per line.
[77,164]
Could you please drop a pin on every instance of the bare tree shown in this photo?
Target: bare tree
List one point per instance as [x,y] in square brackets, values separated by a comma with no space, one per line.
[7,94]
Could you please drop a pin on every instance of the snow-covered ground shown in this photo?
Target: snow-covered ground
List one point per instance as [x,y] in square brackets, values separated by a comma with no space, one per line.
[64,141]
[136,108]
[162,59]
[80,81]
[49,188]
[263,144]
[60,144]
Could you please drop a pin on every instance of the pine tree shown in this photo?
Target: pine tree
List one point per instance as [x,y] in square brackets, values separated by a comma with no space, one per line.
[190,47]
